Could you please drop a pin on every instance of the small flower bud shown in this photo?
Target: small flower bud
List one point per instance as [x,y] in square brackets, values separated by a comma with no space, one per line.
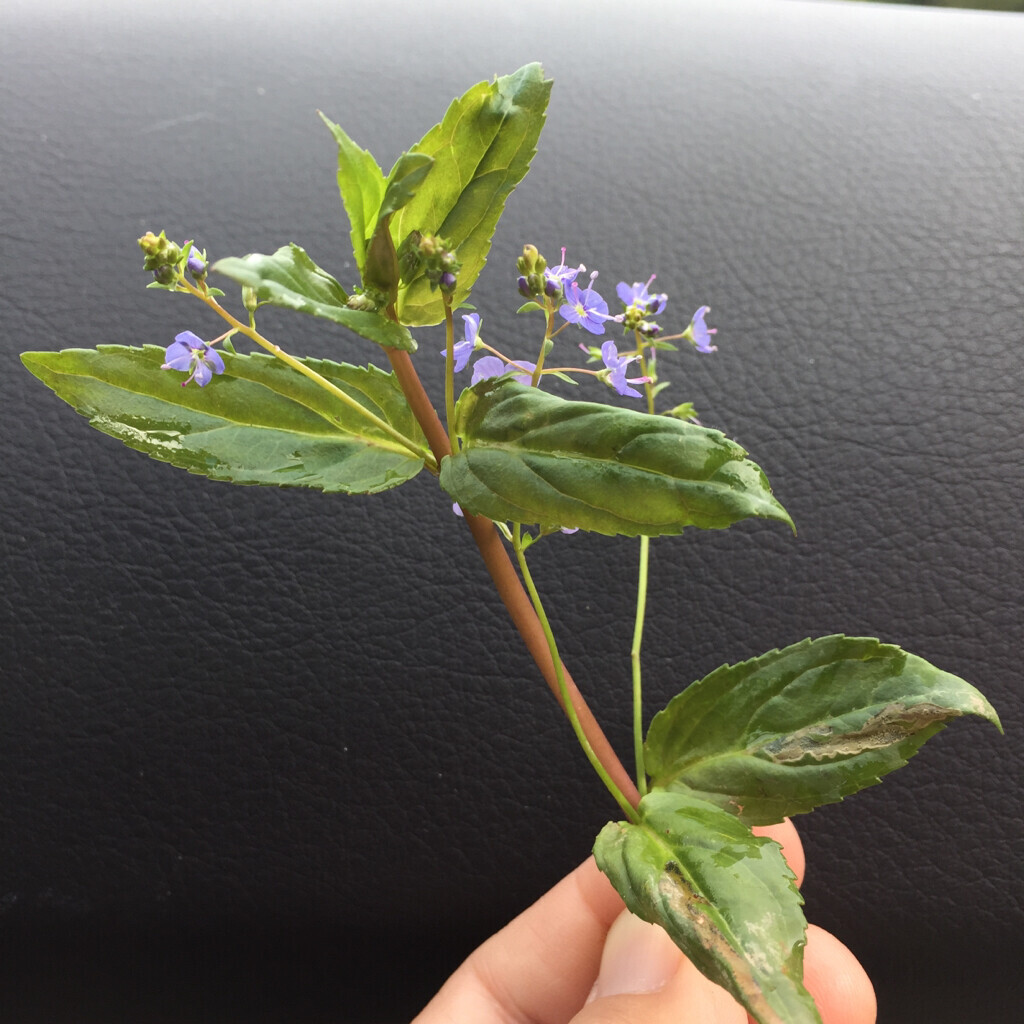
[362,301]
[196,264]
[249,299]
[524,287]
[165,275]
[447,282]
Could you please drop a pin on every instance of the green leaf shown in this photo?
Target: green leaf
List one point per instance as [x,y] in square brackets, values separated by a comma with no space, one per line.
[289,278]
[482,150]
[260,422]
[381,272]
[726,897]
[404,180]
[531,457]
[361,184]
[783,733]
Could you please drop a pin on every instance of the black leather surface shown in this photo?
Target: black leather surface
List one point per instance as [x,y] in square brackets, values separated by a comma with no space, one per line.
[278,756]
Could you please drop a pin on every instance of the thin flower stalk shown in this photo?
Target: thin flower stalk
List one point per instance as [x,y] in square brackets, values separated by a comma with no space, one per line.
[620,799]
[276,350]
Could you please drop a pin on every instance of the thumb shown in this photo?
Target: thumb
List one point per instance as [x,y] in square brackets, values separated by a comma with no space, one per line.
[645,979]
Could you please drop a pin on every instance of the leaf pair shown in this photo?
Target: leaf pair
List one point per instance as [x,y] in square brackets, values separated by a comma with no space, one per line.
[452,183]
[751,744]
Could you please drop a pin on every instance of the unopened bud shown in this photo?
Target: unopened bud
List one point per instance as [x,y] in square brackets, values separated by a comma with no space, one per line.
[196,264]
[249,299]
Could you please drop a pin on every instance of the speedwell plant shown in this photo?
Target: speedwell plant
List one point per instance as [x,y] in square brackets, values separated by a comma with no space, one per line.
[749,744]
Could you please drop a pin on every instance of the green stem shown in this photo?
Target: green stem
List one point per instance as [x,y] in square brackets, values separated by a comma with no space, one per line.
[509,584]
[543,345]
[567,703]
[323,382]
[634,654]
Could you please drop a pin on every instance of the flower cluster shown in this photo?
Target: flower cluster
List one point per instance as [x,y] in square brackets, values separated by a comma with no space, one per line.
[556,289]
[168,260]
[432,255]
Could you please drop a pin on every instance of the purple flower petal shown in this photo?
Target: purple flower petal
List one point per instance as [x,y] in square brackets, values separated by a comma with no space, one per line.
[190,352]
[213,359]
[488,366]
[639,296]
[586,309]
[463,350]
[523,378]
[700,332]
[178,356]
[616,366]
[558,278]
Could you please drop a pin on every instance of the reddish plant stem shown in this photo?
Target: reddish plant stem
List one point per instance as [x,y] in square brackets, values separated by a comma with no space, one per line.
[507,582]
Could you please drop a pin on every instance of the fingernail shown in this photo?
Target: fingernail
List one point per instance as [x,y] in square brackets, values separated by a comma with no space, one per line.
[638,957]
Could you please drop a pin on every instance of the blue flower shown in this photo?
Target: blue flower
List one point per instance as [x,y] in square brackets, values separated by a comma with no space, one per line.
[492,366]
[585,309]
[640,297]
[464,349]
[699,333]
[616,366]
[557,279]
[190,352]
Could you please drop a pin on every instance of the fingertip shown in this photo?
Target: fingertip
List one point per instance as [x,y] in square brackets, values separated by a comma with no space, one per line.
[834,976]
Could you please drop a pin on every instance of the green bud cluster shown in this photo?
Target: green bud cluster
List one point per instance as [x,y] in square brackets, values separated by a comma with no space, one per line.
[531,266]
[432,256]
[162,256]
[635,319]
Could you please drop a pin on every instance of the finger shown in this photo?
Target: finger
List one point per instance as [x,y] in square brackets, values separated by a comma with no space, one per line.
[540,967]
[644,977]
[834,976]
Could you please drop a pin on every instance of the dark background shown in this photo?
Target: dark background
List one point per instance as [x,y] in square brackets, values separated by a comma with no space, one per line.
[272,755]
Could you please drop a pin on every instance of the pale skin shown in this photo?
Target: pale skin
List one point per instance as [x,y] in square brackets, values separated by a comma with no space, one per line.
[576,957]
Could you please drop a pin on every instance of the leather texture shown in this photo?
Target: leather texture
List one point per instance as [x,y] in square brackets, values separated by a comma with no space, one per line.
[279,756]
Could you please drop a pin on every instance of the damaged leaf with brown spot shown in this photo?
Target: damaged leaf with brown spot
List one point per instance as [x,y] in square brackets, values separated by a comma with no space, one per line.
[808,725]
[725,896]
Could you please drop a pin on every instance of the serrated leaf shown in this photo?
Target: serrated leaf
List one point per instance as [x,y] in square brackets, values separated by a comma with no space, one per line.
[725,896]
[361,184]
[808,725]
[260,422]
[531,457]
[289,278]
[481,150]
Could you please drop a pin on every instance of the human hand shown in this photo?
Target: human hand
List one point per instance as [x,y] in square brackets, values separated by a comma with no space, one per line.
[577,957]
